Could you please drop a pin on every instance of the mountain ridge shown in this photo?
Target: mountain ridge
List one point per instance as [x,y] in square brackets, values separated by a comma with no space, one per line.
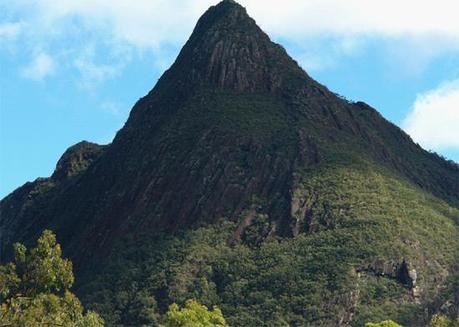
[236,134]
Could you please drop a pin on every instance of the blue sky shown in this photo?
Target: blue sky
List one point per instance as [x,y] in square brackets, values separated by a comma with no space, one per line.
[72,69]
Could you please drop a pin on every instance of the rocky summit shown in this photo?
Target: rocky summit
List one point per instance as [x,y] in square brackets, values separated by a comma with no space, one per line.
[239,181]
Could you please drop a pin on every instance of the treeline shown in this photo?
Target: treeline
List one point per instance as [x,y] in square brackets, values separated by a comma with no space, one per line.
[35,291]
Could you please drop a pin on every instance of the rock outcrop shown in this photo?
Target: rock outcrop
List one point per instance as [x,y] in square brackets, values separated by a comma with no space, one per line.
[402,272]
[234,130]
[76,160]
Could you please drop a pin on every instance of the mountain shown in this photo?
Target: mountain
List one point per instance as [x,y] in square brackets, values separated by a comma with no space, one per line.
[240,181]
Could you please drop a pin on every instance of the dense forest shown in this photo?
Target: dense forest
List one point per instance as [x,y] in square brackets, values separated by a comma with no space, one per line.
[239,192]
[36,292]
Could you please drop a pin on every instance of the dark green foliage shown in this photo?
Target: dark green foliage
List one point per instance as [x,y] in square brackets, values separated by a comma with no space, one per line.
[34,289]
[257,231]
[309,280]
[241,182]
[442,321]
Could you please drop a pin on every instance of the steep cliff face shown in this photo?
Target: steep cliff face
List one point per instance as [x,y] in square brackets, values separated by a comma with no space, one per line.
[21,209]
[235,129]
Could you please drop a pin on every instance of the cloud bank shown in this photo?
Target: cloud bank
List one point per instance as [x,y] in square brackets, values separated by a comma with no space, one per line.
[391,18]
[150,23]
[434,119]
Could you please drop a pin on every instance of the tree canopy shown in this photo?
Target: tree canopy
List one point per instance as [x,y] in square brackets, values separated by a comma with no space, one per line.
[194,314]
[34,289]
[443,321]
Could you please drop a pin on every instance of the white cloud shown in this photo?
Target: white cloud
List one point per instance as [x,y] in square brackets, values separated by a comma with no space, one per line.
[9,30]
[410,33]
[148,23]
[434,119]
[142,23]
[92,69]
[41,66]
[93,74]
[320,53]
[354,17]
[156,24]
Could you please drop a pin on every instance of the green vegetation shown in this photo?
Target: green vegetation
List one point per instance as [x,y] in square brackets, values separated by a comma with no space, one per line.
[193,315]
[34,289]
[442,321]
[436,321]
[363,215]
[359,213]
[386,323]
[243,184]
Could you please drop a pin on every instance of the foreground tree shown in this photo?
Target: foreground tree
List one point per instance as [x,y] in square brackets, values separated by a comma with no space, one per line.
[34,289]
[193,315]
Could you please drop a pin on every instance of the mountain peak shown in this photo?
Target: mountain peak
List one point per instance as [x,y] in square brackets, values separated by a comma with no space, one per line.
[224,10]
[227,50]
[238,150]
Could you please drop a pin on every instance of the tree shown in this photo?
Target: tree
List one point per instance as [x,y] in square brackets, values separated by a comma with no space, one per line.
[385,323]
[34,289]
[442,321]
[193,315]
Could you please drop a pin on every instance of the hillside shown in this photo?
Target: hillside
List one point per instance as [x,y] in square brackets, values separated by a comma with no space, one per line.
[242,182]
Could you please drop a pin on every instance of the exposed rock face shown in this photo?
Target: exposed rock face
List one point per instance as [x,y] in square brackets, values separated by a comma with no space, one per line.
[227,50]
[229,132]
[229,127]
[76,159]
[403,272]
